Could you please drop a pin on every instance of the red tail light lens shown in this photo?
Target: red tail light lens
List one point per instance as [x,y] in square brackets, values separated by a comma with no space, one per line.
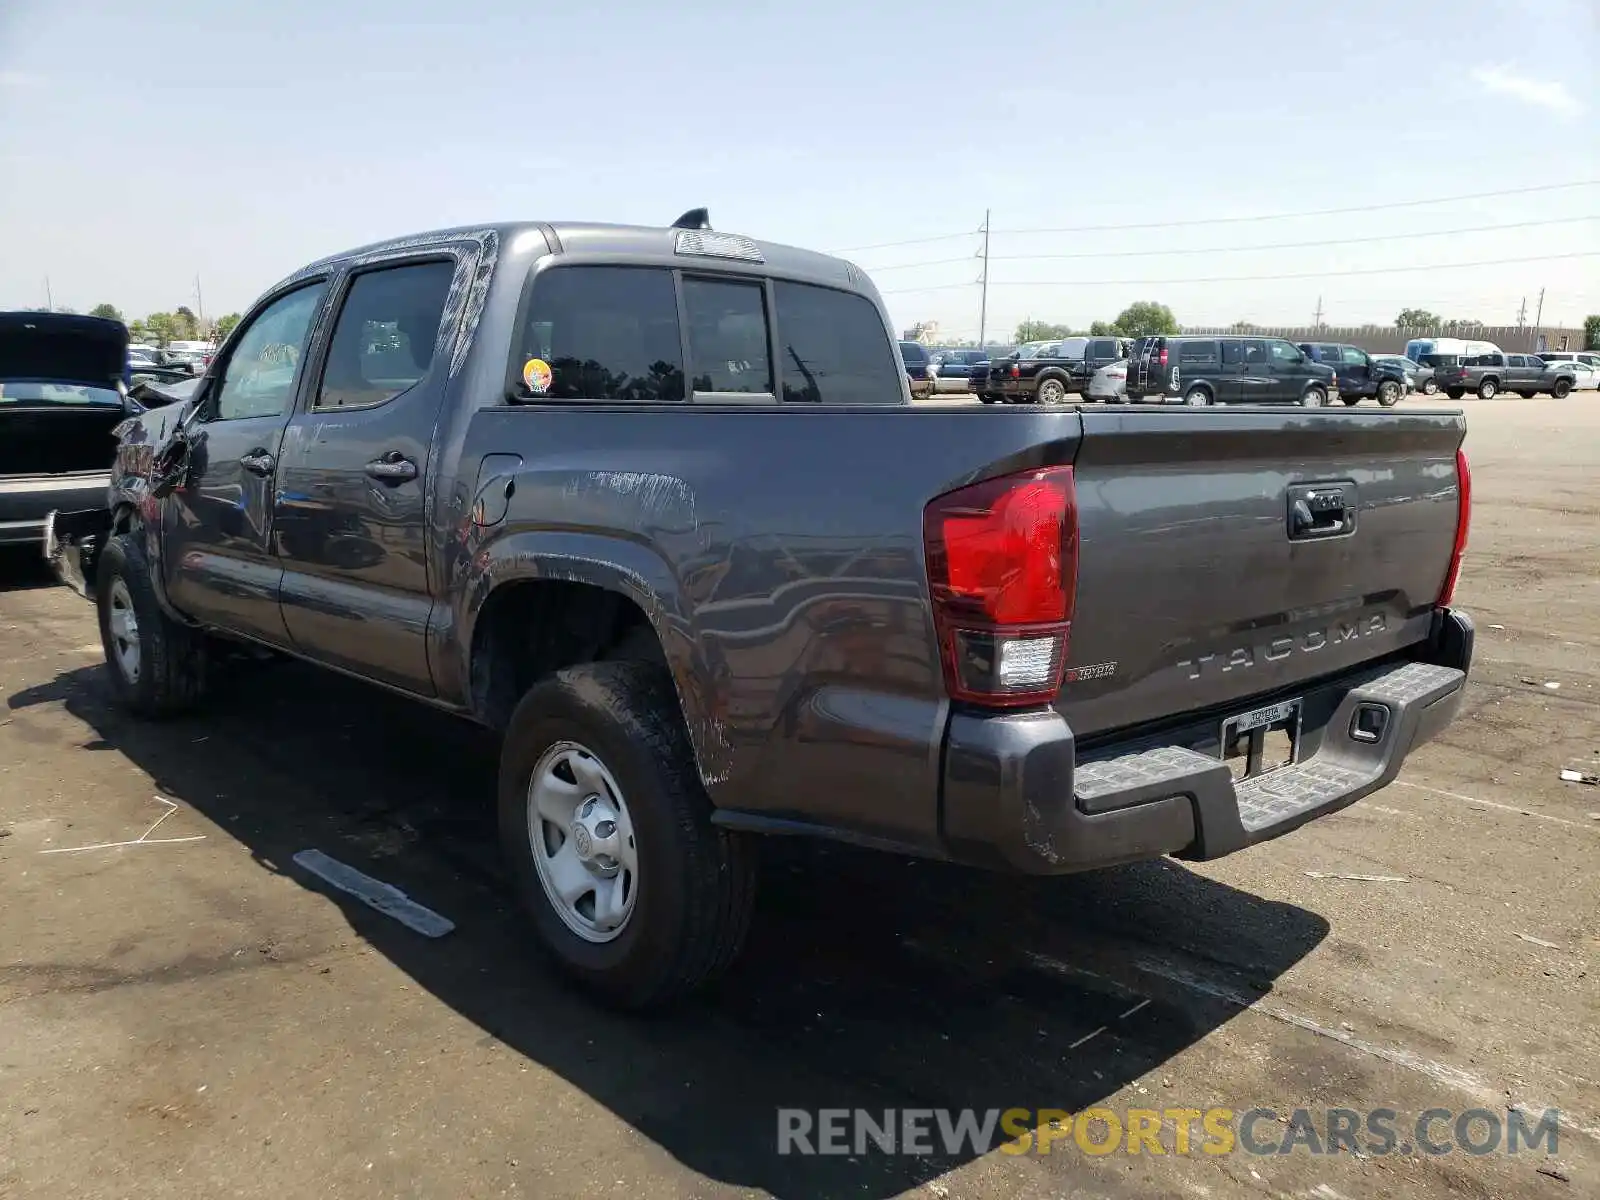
[1463,521]
[1002,560]
[1163,358]
[1016,371]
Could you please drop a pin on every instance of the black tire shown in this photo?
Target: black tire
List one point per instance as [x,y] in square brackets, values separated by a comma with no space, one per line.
[1430,388]
[1314,396]
[1488,389]
[1561,389]
[1456,393]
[1389,393]
[696,882]
[1199,397]
[171,658]
[1351,401]
[1527,395]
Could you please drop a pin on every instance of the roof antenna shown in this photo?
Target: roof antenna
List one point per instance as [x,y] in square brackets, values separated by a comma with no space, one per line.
[695,218]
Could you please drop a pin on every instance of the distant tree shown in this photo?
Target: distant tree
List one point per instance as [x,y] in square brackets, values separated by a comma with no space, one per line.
[1462,325]
[187,325]
[1242,327]
[138,331]
[225,325]
[109,311]
[1103,329]
[1146,317]
[1419,319]
[1591,332]
[1040,331]
[162,327]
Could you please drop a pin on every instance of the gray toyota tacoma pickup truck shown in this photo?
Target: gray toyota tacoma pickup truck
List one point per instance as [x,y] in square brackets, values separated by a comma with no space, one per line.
[655,503]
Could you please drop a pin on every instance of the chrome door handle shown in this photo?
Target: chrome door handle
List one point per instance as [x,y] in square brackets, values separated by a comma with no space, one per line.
[257,462]
[392,468]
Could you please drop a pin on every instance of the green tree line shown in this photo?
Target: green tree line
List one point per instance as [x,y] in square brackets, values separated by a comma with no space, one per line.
[161,328]
[1140,319]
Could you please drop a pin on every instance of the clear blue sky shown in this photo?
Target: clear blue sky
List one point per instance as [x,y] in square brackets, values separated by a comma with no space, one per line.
[142,144]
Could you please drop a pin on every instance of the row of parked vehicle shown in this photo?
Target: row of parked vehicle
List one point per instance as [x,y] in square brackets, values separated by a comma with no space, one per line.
[1208,369]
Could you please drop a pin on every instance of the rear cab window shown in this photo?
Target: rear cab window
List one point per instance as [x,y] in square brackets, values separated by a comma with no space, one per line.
[612,333]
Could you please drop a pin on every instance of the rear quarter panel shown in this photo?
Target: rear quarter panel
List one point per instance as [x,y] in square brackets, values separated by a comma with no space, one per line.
[778,554]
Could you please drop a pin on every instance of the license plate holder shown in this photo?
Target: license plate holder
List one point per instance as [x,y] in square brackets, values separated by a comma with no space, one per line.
[1261,740]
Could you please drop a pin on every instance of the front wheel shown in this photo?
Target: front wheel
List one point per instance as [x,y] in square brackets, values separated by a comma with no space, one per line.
[1314,397]
[1389,393]
[632,890]
[1488,390]
[1430,388]
[157,666]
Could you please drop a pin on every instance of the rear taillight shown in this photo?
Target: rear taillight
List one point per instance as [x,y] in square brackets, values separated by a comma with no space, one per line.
[1463,520]
[1161,359]
[1002,560]
[1016,371]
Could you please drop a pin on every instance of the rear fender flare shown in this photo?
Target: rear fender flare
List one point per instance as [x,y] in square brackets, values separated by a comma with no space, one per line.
[625,567]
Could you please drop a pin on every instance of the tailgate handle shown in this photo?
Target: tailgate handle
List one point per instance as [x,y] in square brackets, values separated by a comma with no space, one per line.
[1321,510]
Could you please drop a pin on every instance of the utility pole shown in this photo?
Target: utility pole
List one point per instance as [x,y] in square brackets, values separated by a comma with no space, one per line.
[1316,319]
[49,300]
[983,305]
[1522,314]
[199,304]
[1538,319]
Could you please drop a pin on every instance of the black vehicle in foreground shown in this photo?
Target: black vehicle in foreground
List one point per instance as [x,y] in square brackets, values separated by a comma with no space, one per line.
[653,503]
[1063,369]
[1205,369]
[1361,376]
[61,398]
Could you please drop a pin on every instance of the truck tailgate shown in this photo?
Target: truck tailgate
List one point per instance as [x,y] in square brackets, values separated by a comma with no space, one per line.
[1200,586]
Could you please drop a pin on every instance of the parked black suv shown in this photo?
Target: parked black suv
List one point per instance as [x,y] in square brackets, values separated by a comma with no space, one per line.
[1360,375]
[1223,369]
[1066,370]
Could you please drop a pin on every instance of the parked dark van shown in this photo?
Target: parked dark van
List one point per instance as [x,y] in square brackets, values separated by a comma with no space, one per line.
[1227,369]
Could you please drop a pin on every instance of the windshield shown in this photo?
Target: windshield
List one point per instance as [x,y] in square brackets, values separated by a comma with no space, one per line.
[56,393]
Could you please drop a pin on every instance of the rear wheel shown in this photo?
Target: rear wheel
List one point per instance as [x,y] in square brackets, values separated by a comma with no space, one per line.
[1488,389]
[1561,388]
[1389,393]
[157,666]
[1351,401]
[1052,391]
[1314,397]
[1456,393]
[631,889]
[1198,397]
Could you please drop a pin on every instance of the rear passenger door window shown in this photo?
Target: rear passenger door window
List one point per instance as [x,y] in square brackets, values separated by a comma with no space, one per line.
[833,348]
[384,340]
[606,333]
[728,336]
[1196,353]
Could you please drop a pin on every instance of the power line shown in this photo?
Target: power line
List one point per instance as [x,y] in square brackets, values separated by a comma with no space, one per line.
[1487,262]
[1387,237]
[1319,212]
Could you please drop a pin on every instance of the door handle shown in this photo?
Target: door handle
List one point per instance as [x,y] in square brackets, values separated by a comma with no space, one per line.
[1323,510]
[258,462]
[393,467]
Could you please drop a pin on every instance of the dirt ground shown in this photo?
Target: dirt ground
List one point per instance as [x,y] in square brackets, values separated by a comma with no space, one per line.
[194,1015]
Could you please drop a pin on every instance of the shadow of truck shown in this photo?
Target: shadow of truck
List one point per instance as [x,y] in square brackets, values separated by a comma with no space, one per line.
[868,981]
